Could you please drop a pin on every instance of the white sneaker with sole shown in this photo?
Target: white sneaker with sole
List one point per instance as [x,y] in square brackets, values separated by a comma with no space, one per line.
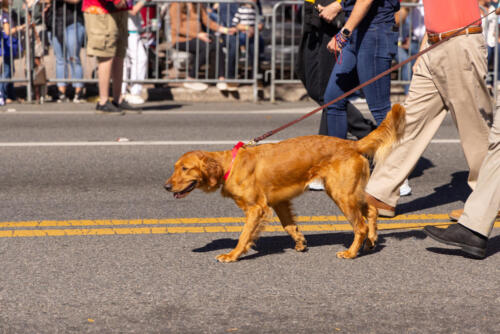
[134,99]
[198,86]
[405,189]
[316,185]
[221,86]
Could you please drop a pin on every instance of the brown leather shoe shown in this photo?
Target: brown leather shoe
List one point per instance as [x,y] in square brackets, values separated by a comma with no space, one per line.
[384,210]
[455,214]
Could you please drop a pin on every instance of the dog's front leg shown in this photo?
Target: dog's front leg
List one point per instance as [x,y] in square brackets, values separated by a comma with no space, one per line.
[250,232]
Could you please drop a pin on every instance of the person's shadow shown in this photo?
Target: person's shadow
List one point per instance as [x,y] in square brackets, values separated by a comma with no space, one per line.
[456,190]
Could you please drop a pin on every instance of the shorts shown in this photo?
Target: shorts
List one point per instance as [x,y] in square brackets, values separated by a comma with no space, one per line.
[106,34]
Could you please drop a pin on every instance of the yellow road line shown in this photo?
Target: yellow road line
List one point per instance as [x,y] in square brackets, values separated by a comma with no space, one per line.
[185,221]
[198,229]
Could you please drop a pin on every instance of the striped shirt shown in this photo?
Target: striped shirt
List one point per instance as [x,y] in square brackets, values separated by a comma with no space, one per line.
[245,16]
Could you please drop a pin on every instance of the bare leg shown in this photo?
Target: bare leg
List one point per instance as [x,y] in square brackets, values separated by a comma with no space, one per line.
[117,74]
[104,72]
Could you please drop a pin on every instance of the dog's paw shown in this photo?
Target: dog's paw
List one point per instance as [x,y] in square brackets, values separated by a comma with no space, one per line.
[369,245]
[300,247]
[346,255]
[225,258]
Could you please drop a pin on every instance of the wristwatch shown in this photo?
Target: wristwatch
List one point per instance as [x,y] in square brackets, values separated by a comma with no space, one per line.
[345,32]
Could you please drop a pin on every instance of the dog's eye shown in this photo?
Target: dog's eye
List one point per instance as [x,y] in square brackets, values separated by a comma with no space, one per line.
[184,168]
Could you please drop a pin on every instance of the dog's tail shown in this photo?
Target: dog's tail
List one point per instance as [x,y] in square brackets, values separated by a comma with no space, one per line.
[378,144]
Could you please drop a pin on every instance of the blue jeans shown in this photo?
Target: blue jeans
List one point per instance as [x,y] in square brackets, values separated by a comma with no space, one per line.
[232,42]
[491,62]
[403,54]
[7,88]
[369,53]
[70,54]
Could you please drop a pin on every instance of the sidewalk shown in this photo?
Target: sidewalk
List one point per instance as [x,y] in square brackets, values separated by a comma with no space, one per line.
[177,93]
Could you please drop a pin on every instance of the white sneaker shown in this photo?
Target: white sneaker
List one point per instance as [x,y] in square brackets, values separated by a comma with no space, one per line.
[198,86]
[134,99]
[405,189]
[316,185]
[221,86]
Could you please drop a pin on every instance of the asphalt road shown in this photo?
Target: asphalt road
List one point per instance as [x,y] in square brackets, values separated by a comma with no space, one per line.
[91,242]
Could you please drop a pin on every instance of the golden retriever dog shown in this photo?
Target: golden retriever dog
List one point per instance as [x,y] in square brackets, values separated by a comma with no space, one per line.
[270,175]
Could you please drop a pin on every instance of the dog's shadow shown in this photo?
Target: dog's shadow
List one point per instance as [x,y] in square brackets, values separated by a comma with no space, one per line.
[279,244]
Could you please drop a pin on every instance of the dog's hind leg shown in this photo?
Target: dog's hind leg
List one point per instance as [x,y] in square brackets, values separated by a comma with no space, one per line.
[345,183]
[254,218]
[371,217]
[284,212]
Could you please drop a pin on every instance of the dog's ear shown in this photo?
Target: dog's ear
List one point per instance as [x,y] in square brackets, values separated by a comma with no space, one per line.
[212,172]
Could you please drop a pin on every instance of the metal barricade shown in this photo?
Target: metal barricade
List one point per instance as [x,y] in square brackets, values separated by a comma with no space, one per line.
[286,29]
[169,62]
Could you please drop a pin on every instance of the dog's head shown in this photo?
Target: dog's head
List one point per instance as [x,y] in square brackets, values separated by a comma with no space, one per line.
[194,170]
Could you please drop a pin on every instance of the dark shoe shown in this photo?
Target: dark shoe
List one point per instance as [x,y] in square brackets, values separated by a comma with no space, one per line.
[124,105]
[384,210]
[108,109]
[455,214]
[458,235]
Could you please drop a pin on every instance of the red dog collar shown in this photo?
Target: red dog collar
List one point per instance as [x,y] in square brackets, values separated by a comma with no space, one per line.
[233,152]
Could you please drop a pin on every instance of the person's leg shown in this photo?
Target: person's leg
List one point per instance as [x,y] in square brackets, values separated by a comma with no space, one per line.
[376,50]
[75,35]
[139,72]
[482,206]
[231,43]
[466,95]
[104,65]
[406,68]
[61,69]
[424,114]
[117,76]
[342,79]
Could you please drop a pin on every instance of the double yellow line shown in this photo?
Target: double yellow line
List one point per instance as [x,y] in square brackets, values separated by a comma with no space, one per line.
[52,228]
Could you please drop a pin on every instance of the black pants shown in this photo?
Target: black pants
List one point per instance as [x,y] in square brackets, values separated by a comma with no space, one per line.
[204,53]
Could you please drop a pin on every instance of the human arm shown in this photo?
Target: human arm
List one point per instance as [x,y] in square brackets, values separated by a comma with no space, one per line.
[329,12]
[137,7]
[361,8]
[213,25]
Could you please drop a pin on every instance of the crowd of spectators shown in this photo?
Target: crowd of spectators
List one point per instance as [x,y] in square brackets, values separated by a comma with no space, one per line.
[217,39]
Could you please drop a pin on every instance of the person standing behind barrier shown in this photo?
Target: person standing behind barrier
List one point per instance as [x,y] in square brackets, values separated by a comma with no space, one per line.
[245,22]
[409,44]
[225,12]
[106,26]
[66,29]
[451,77]
[136,61]
[481,208]
[489,25]
[10,47]
[188,35]
[364,47]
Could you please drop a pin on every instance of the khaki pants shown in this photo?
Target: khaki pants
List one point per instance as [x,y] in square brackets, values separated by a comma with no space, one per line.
[451,77]
[483,204]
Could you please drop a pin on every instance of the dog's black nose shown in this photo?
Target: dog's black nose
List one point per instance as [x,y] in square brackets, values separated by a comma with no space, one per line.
[168,186]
